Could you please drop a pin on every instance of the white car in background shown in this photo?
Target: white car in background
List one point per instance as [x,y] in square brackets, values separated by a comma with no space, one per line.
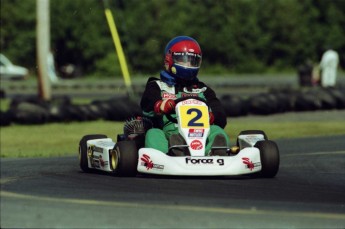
[11,71]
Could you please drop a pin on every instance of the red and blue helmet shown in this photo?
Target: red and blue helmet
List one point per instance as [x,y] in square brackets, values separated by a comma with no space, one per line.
[182,60]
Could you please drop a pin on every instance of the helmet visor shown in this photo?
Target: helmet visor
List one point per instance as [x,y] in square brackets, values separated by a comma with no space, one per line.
[187,59]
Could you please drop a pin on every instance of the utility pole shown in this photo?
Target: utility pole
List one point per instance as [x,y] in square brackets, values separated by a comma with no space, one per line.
[118,48]
[42,48]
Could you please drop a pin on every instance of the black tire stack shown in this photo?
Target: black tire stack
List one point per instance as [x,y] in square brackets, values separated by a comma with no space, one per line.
[305,99]
[30,110]
[33,111]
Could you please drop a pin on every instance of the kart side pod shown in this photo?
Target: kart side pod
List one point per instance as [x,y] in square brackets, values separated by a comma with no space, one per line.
[269,152]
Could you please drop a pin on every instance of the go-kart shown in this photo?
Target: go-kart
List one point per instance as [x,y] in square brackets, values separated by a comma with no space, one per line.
[252,154]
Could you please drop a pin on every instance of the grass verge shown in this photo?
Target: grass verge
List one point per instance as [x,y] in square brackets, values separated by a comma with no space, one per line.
[63,139]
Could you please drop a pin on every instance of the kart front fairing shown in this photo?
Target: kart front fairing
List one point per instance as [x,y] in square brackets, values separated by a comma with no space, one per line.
[152,161]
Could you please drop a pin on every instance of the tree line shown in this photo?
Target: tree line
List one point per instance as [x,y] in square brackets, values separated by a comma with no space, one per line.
[236,36]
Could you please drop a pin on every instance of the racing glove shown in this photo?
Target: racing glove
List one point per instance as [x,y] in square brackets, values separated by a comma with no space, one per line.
[165,106]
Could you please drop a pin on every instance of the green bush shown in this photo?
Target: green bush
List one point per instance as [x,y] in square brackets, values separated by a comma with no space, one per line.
[108,66]
[235,36]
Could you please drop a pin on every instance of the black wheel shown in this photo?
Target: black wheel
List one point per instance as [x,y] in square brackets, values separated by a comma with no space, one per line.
[83,150]
[124,158]
[269,154]
[248,132]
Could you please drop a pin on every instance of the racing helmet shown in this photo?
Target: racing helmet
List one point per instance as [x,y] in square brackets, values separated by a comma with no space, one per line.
[182,60]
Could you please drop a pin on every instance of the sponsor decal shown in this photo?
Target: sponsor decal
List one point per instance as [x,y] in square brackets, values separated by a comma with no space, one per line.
[92,148]
[189,95]
[147,162]
[192,101]
[249,164]
[97,149]
[102,162]
[95,163]
[167,95]
[204,161]
[196,133]
[196,145]
[98,162]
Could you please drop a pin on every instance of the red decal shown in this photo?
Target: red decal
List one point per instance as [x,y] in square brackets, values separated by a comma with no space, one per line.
[196,133]
[196,145]
[250,164]
[147,161]
[101,161]
[168,96]
[196,130]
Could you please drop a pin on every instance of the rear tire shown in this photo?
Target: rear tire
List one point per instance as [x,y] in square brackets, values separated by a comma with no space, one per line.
[269,154]
[124,159]
[83,161]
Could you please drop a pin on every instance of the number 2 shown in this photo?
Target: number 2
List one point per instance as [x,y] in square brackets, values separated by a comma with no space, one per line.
[193,121]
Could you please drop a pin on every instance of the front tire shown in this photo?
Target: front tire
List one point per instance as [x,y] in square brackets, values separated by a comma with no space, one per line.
[83,161]
[124,159]
[269,154]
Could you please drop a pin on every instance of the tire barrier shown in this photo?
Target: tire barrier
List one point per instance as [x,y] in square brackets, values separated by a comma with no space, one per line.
[31,110]
[29,113]
[304,99]
[234,105]
[263,104]
[117,109]
[339,97]
[2,94]
[317,99]
[5,118]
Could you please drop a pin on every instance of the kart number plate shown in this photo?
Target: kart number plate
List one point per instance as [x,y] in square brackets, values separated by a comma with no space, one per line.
[194,116]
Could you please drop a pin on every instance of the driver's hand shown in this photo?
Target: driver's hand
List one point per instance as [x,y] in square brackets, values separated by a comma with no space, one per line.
[165,106]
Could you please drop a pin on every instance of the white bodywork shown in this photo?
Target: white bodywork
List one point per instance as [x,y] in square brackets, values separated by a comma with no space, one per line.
[192,116]
[155,162]
[98,153]
[152,161]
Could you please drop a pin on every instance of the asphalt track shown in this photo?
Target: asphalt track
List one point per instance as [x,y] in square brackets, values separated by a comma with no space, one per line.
[308,192]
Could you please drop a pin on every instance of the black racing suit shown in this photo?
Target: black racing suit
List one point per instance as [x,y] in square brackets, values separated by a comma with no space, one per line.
[153,93]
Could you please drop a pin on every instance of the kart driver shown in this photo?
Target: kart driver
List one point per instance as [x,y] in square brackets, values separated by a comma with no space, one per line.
[179,79]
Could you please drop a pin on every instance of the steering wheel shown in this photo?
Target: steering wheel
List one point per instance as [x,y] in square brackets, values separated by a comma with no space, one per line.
[174,120]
